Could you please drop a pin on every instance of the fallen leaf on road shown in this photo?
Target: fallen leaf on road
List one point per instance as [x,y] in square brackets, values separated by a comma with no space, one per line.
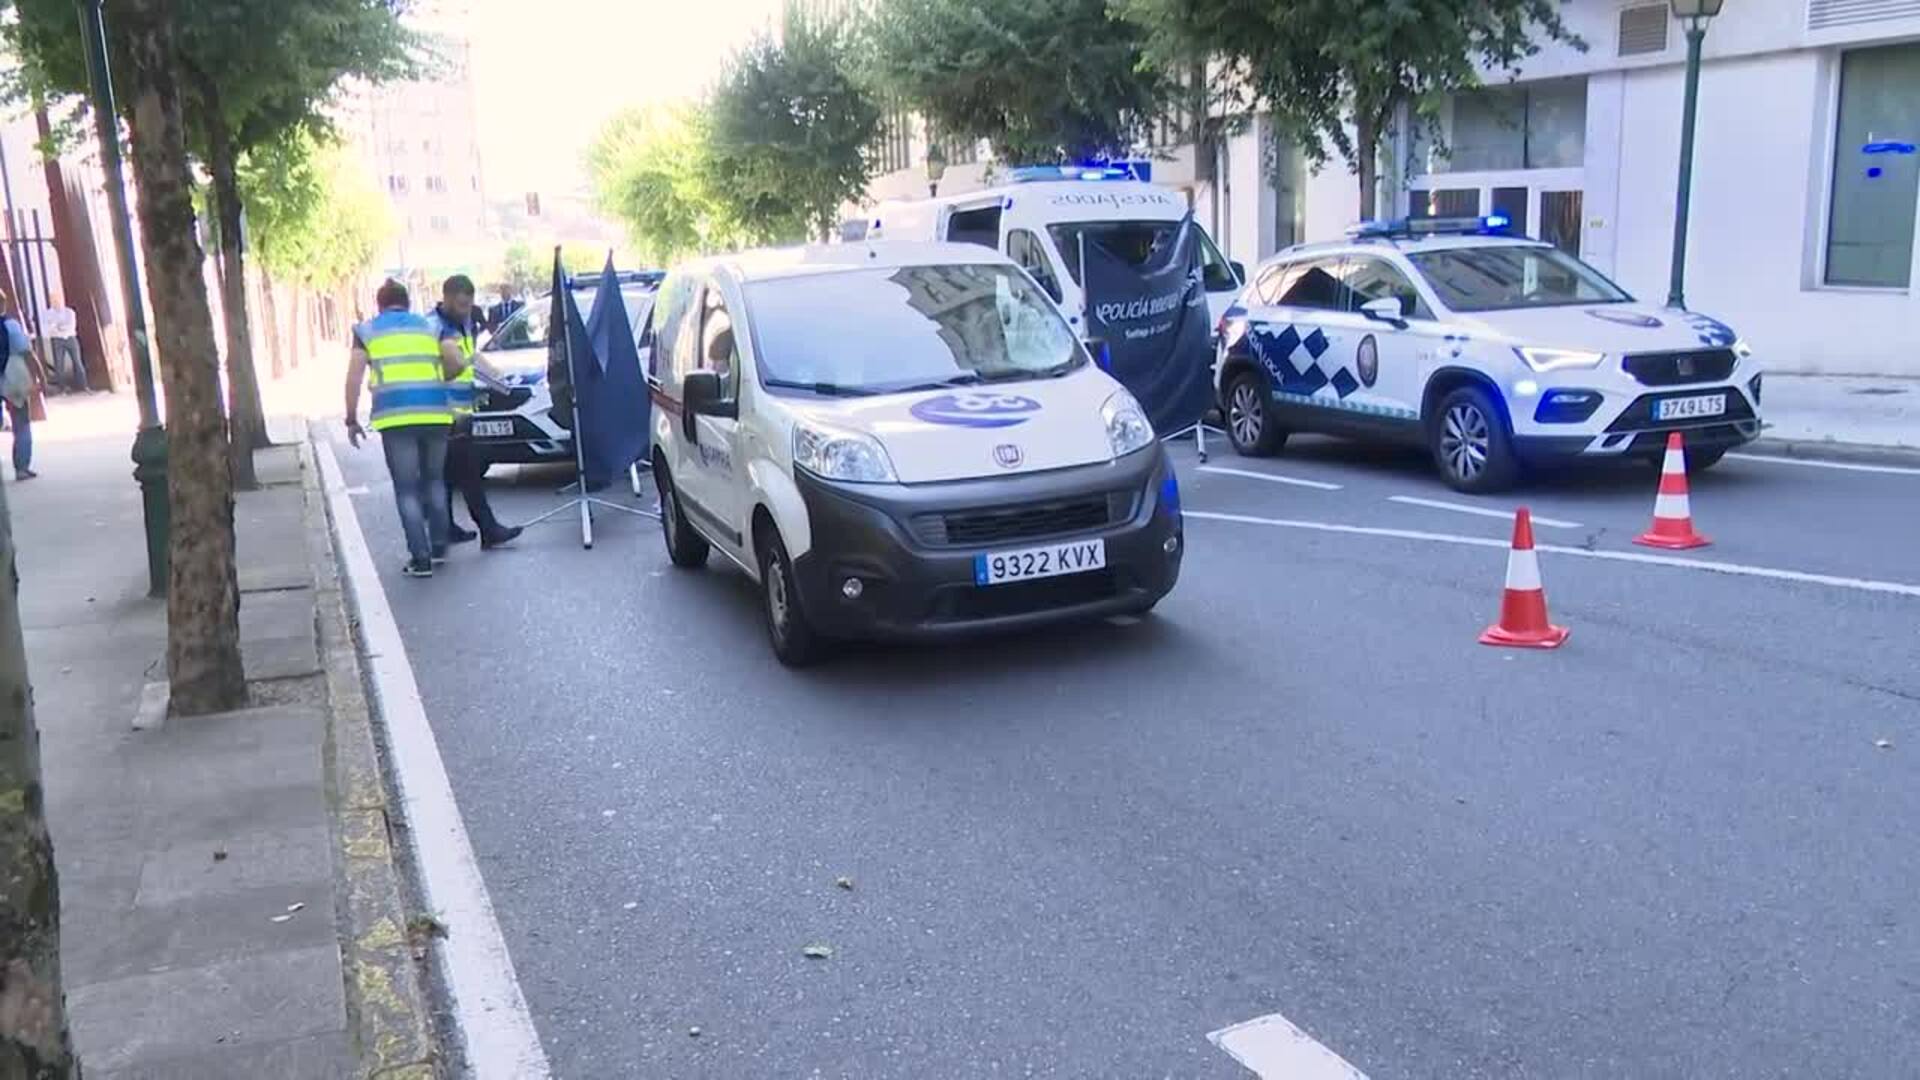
[817,952]
[844,882]
[1884,744]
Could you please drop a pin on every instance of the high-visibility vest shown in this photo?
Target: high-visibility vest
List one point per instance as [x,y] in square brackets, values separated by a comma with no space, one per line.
[408,388]
[460,387]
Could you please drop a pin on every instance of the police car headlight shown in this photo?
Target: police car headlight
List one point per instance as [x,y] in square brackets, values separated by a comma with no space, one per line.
[1127,426]
[1558,359]
[841,455]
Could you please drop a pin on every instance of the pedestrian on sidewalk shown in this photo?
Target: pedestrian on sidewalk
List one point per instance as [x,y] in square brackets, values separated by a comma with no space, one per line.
[16,386]
[62,328]
[409,372]
[453,322]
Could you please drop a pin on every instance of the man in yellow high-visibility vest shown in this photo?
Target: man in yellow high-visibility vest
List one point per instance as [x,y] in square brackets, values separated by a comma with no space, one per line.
[454,324]
[399,353]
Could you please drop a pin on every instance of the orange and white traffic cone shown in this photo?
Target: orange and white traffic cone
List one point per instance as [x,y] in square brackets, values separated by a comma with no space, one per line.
[1523,608]
[1672,517]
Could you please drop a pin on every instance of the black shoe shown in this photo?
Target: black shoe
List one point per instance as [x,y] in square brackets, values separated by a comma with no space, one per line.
[501,537]
[25,474]
[417,568]
[462,536]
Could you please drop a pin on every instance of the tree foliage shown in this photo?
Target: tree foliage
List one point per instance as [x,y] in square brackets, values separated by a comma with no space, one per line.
[1041,80]
[1335,73]
[315,219]
[650,169]
[789,132]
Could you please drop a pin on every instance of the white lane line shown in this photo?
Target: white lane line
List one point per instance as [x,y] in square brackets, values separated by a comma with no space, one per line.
[1275,1049]
[1813,463]
[1504,515]
[1896,588]
[488,1006]
[1317,485]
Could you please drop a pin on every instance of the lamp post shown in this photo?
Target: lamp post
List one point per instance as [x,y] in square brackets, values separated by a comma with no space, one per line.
[1695,14]
[936,167]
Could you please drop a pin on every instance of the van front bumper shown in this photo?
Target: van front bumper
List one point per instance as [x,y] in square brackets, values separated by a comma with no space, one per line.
[912,548]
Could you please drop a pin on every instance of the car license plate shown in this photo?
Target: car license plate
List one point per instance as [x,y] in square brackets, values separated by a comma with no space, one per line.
[492,429]
[1076,557]
[1686,408]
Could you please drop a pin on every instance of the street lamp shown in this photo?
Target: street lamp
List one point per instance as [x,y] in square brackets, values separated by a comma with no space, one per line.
[936,168]
[1695,14]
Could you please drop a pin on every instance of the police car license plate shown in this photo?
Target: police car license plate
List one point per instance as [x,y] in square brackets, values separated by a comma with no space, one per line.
[1686,408]
[1002,567]
[492,429]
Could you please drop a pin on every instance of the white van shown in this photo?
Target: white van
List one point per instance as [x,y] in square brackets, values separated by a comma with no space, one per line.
[1041,218]
[901,440]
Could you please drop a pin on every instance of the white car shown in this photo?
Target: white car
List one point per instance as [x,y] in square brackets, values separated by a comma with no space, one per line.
[902,440]
[1493,352]
[513,421]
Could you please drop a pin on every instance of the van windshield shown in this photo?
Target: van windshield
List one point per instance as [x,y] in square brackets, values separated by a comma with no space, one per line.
[1137,243]
[889,330]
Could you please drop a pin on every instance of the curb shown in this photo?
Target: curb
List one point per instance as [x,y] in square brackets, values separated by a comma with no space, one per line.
[388,1010]
[1865,453]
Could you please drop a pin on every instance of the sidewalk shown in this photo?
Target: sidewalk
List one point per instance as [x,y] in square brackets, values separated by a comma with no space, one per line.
[212,905]
[1809,413]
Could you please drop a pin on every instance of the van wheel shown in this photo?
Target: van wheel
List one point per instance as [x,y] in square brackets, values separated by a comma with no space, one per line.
[1250,422]
[795,642]
[1471,445]
[687,549]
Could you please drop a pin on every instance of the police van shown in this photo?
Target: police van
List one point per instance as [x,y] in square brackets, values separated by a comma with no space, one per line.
[898,440]
[1045,214]
[1492,351]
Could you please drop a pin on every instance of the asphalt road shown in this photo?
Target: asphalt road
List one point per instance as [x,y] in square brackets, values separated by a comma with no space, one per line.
[1672,848]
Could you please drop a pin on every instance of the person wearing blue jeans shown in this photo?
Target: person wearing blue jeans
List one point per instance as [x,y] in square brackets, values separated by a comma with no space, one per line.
[16,375]
[399,353]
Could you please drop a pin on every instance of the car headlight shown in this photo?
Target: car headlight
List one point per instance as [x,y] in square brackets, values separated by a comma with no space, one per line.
[1557,359]
[1127,426]
[1742,350]
[841,455]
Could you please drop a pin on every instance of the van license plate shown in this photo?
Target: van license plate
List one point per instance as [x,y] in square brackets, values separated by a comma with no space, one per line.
[1685,408]
[1077,557]
[492,429]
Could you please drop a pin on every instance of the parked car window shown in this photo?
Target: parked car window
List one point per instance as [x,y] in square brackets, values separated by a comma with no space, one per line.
[1367,279]
[1137,242]
[1313,283]
[719,351]
[1024,247]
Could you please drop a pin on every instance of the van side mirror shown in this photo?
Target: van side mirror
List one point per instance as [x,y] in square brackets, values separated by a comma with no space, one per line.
[700,396]
[1386,309]
[1239,271]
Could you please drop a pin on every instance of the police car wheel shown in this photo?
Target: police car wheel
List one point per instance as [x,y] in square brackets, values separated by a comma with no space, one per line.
[795,642]
[1471,445]
[685,547]
[1249,415]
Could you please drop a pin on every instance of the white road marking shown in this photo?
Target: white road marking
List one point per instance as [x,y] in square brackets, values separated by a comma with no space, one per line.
[1815,463]
[1318,485]
[1504,515]
[488,1006]
[1896,588]
[358,489]
[1275,1049]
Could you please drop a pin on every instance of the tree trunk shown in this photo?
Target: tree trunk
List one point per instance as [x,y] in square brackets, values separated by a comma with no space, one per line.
[246,419]
[33,1008]
[1367,146]
[203,593]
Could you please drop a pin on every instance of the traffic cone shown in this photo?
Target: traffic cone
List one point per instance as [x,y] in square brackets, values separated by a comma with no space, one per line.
[1672,518]
[1523,608]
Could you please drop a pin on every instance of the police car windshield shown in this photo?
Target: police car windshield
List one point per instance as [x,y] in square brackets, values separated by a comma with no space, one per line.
[889,330]
[527,329]
[1503,278]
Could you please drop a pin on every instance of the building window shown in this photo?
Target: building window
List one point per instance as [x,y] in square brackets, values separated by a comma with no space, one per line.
[1876,173]
[1444,203]
[441,223]
[1535,126]
[397,184]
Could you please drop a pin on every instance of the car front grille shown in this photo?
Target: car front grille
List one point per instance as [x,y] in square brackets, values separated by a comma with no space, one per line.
[498,401]
[1024,521]
[1679,368]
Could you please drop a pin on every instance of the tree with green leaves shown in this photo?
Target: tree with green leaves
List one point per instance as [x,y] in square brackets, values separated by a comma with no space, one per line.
[520,271]
[650,169]
[1337,74]
[315,218]
[789,131]
[1040,80]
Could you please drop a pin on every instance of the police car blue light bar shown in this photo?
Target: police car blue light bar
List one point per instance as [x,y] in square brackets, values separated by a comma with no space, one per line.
[1490,225]
[1141,171]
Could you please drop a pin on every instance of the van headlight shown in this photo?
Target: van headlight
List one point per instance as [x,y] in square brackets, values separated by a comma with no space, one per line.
[1557,359]
[841,455]
[1127,426]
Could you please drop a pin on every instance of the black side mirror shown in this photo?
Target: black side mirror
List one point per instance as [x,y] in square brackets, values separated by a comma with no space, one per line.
[1239,271]
[1387,309]
[700,395]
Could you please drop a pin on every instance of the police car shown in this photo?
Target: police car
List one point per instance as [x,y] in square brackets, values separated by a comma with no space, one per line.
[1493,352]
[513,420]
[902,440]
